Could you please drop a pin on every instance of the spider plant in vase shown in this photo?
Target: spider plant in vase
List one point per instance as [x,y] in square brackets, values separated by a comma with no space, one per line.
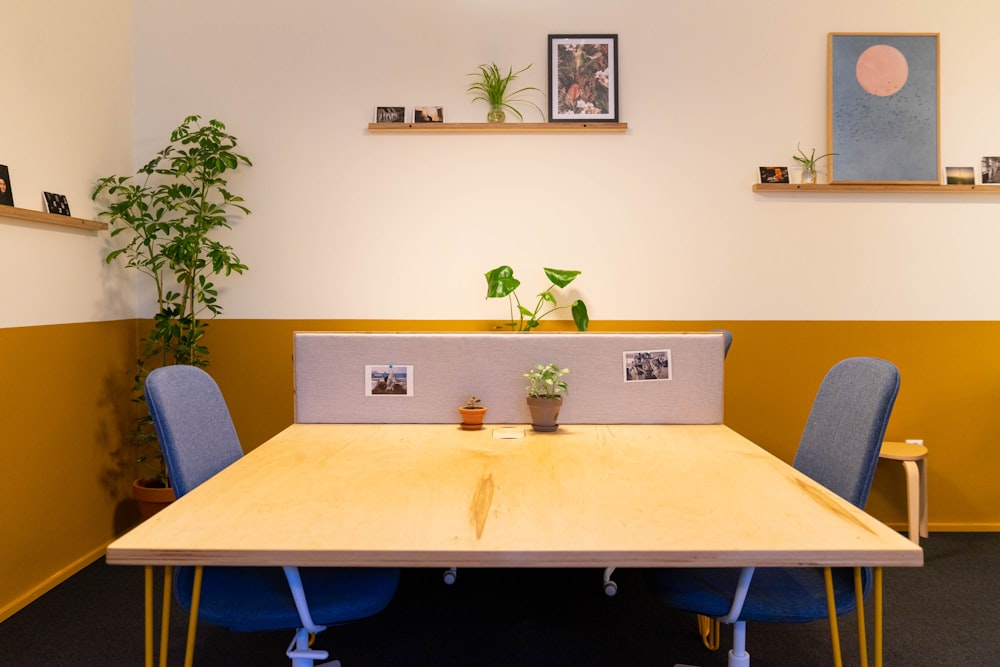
[492,89]
[809,164]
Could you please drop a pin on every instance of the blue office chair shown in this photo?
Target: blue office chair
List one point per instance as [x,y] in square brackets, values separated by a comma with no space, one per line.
[839,449]
[610,585]
[198,440]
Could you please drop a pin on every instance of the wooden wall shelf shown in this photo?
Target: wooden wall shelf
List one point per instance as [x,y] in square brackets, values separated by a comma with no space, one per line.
[861,187]
[497,128]
[50,218]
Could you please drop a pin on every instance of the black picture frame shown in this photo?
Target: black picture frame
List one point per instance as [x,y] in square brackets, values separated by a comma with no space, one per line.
[583,78]
[6,190]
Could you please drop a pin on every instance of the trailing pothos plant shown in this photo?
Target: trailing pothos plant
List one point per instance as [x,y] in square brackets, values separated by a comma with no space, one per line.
[165,217]
[500,282]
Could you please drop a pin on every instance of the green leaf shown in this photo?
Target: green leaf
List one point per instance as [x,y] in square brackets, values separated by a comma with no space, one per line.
[580,317]
[561,277]
[500,282]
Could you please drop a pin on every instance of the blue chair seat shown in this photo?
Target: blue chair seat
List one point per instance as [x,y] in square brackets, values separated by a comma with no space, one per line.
[252,599]
[778,595]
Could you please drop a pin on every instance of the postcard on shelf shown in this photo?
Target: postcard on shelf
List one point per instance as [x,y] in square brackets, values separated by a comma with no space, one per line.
[390,114]
[773,174]
[55,203]
[6,192]
[428,115]
[991,170]
[960,175]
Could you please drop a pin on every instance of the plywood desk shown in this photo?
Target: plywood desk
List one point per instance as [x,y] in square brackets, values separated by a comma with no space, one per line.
[586,496]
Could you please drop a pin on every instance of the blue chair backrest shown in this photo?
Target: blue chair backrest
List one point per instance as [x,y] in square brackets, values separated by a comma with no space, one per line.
[842,438]
[193,424]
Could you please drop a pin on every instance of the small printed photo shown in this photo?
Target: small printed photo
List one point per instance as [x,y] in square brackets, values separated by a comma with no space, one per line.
[6,192]
[647,365]
[54,203]
[428,115]
[991,170]
[960,175]
[390,114]
[773,174]
[388,380]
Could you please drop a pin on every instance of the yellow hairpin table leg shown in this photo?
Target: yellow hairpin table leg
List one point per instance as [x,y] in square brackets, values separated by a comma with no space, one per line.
[878,617]
[831,609]
[168,573]
[148,613]
[709,630]
[859,596]
[193,617]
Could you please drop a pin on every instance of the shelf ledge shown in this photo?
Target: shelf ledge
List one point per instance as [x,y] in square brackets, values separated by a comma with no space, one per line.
[878,187]
[596,127]
[50,218]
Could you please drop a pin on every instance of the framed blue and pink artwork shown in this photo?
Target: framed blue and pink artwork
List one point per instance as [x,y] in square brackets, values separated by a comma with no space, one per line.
[883,120]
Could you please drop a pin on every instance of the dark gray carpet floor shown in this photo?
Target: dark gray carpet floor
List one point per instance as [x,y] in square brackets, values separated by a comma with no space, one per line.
[941,614]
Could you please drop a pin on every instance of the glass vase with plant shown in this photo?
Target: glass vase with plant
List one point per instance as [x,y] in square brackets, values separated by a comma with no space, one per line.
[492,89]
[809,163]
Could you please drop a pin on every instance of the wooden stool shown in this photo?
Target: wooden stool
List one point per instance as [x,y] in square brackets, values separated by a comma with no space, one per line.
[914,459]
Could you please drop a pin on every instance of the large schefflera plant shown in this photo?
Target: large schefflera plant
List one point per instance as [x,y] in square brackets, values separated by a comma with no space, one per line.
[500,282]
[165,216]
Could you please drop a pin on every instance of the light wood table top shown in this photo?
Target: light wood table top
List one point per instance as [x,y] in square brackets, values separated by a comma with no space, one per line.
[586,496]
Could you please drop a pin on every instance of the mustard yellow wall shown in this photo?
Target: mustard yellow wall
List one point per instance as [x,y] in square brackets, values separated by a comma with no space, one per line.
[65,399]
[66,410]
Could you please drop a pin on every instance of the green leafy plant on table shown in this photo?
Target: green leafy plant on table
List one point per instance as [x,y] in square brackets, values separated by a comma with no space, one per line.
[544,381]
[165,216]
[492,89]
[500,282]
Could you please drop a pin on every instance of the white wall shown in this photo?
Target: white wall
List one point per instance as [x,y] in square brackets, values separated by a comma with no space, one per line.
[65,120]
[661,220]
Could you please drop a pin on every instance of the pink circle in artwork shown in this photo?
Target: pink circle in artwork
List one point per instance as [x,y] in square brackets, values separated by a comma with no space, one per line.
[882,70]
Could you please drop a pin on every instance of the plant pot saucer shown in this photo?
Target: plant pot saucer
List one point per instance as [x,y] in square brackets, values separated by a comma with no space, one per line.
[470,427]
[546,428]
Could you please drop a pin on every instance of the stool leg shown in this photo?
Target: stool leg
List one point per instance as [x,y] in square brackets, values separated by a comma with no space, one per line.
[913,500]
[922,470]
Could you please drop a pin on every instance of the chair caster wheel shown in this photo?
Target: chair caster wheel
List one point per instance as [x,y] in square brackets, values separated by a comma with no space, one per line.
[450,576]
[610,589]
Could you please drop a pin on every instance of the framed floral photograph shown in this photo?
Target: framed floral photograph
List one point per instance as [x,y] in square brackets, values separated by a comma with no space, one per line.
[583,78]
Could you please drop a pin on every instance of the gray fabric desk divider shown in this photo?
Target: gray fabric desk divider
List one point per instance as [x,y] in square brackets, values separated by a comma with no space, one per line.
[330,377]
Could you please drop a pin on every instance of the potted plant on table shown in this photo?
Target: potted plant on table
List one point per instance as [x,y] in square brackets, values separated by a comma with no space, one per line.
[169,212]
[500,282]
[472,414]
[492,89]
[545,395]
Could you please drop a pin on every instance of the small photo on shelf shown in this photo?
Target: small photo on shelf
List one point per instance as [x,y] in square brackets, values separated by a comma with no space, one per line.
[991,170]
[428,115]
[390,114]
[960,175]
[773,174]
[55,203]
[6,192]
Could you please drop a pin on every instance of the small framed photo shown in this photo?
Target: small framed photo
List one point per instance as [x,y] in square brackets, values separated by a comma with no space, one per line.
[991,170]
[960,175]
[54,203]
[583,78]
[428,115]
[390,114]
[773,174]
[643,365]
[6,192]
[388,380]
